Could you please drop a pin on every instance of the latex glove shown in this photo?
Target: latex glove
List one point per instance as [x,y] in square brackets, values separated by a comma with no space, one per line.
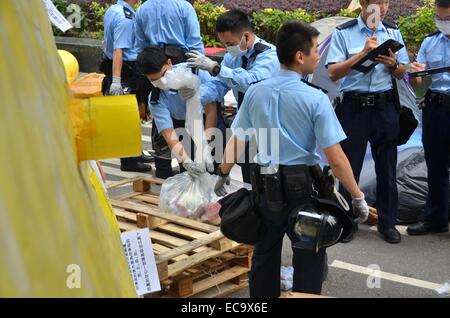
[198,60]
[116,87]
[195,170]
[208,158]
[219,188]
[360,206]
[186,93]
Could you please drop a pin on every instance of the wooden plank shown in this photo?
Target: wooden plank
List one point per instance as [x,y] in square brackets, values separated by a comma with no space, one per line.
[179,267]
[135,207]
[160,249]
[221,291]
[125,226]
[125,215]
[115,184]
[222,277]
[190,246]
[148,199]
[144,220]
[182,231]
[141,185]
[125,196]
[182,286]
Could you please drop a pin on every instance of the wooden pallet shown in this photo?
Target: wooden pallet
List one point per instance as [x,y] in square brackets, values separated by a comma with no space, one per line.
[193,258]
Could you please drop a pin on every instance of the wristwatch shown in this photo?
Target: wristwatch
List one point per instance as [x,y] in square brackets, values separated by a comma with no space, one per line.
[216,70]
[221,174]
[395,67]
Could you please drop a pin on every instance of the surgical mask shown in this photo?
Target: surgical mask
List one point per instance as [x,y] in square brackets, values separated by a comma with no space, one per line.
[163,82]
[443,26]
[236,49]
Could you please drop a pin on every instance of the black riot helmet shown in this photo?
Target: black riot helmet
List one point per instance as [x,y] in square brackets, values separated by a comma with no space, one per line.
[318,224]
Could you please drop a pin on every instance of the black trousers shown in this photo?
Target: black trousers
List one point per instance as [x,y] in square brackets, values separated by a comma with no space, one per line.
[436,143]
[380,128]
[308,266]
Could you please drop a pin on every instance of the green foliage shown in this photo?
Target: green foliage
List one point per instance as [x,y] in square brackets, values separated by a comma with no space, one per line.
[416,27]
[347,13]
[208,13]
[268,21]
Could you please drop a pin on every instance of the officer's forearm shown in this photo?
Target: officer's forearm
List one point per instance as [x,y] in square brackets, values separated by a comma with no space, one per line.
[400,71]
[176,147]
[342,170]
[342,69]
[117,62]
[235,148]
[210,119]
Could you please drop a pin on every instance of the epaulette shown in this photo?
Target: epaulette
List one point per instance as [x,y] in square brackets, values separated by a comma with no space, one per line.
[315,86]
[260,47]
[128,13]
[433,34]
[348,24]
[390,25]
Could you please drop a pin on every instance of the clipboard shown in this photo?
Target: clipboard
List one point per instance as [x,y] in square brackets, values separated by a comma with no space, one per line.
[368,62]
[431,71]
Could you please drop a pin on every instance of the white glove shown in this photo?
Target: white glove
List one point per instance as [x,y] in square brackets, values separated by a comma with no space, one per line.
[198,60]
[186,93]
[116,87]
[208,158]
[219,188]
[360,206]
[195,170]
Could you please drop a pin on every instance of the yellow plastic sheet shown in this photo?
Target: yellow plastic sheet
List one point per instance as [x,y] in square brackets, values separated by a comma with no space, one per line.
[52,228]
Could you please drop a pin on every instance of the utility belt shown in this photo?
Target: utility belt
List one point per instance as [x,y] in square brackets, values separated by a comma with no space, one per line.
[129,71]
[290,184]
[360,101]
[437,99]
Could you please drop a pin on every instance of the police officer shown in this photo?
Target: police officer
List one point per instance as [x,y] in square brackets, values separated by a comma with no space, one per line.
[169,113]
[118,64]
[284,103]
[368,111]
[249,59]
[171,24]
[435,53]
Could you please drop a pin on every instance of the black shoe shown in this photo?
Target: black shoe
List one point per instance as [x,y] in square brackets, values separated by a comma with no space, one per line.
[139,167]
[390,235]
[424,228]
[146,158]
[351,236]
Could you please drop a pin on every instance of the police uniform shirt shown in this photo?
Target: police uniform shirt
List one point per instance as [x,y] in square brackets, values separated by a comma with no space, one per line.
[119,31]
[435,53]
[168,22]
[170,105]
[233,76]
[350,41]
[303,114]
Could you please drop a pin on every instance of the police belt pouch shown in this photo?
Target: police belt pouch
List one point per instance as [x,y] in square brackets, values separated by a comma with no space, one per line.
[240,217]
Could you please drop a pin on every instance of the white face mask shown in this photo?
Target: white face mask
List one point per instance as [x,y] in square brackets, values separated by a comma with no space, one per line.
[236,49]
[163,82]
[443,26]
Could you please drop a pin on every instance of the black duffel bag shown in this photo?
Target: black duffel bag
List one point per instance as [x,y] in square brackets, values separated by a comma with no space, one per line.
[240,217]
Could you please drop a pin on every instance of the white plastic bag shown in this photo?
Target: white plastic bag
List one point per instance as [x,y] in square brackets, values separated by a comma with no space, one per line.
[182,196]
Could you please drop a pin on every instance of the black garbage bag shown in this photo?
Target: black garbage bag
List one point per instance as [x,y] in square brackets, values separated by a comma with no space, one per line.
[411,182]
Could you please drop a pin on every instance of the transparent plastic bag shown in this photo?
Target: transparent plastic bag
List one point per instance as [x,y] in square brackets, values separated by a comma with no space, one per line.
[194,199]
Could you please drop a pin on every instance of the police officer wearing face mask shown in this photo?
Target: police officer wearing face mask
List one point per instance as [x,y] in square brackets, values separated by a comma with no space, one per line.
[118,64]
[249,59]
[369,110]
[303,117]
[435,53]
[169,113]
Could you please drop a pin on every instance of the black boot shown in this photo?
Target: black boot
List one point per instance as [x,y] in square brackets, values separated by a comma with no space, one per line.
[424,228]
[390,235]
[138,167]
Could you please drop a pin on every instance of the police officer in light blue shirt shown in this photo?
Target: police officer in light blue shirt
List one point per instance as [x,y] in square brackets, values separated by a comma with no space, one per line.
[118,64]
[169,112]
[171,23]
[369,111]
[435,53]
[302,117]
[249,59]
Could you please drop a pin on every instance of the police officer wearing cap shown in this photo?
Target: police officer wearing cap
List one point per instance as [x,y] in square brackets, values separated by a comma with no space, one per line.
[249,59]
[435,53]
[118,64]
[368,112]
[302,117]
